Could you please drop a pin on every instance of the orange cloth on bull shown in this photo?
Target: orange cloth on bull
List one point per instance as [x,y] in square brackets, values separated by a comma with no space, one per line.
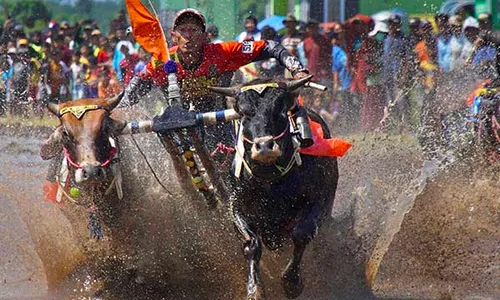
[147,30]
[324,147]
[50,189]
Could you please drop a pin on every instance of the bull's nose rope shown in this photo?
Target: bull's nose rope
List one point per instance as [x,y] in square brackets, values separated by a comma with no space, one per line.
[111,154]
[240,156]
[274,138]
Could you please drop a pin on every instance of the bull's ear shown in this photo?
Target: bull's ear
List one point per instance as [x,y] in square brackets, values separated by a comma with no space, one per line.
[295,84]
[117,126]
[114,101]
[53,108]
[226,91]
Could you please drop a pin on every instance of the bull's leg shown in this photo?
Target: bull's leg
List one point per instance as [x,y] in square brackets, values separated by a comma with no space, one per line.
[302,233]
[252,250]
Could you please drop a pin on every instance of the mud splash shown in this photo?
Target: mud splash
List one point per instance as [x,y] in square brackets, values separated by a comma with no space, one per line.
[390,213]
[447,247]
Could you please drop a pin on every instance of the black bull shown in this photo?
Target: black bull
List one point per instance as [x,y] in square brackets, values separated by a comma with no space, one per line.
[270,203]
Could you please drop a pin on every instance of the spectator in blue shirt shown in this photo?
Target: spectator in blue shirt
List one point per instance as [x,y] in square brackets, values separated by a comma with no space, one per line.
[442,42]
[340,68]
[395,53]
[343,104]
[456,43]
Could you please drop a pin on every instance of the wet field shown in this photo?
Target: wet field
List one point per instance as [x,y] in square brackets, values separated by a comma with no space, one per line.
[401,228]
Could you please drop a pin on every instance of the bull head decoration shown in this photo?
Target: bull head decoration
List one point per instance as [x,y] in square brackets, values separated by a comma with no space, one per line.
[111,103]
[232,91]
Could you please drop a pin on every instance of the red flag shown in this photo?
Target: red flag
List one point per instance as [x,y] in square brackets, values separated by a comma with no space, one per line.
[147,30]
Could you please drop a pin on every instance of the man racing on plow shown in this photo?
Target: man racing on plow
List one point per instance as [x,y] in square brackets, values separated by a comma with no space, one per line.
[198,65]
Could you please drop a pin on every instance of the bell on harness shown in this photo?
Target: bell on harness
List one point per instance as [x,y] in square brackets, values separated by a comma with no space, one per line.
[305,135]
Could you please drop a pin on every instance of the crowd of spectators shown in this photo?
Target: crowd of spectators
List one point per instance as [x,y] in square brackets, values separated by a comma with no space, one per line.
[372,68]
[65,61]
[378,74]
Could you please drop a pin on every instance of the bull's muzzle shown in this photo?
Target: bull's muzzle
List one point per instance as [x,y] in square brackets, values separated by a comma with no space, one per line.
[265,150]
[90,173]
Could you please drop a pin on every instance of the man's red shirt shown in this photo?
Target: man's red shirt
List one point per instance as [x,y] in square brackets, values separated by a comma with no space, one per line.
[218,59]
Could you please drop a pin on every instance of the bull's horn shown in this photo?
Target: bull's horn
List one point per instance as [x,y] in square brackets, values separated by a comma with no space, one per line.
[226,91]
[295,84]
[114,101]
[53,108]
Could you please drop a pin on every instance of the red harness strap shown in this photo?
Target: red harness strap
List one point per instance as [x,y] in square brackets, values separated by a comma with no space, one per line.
[111,155]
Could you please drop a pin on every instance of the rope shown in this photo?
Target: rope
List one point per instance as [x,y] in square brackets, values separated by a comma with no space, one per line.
[149,165]
[223,149]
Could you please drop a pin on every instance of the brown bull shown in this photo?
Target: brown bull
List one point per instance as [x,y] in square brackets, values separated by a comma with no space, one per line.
[84,139]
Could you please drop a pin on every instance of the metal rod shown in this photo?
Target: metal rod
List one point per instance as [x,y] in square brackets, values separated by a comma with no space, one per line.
[215,117]
[316,86]
[201,119]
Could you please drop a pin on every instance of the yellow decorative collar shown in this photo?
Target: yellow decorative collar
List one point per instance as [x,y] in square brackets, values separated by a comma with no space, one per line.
[78,111]
[259,88]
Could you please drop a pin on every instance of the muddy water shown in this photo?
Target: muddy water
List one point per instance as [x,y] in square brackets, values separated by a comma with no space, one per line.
[448,246]
[165,246]
[21,270]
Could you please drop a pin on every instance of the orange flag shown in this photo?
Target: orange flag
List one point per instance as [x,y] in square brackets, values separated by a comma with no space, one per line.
[147,30]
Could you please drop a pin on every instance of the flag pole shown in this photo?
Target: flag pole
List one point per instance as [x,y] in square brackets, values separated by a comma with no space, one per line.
[170,67]
[161,27]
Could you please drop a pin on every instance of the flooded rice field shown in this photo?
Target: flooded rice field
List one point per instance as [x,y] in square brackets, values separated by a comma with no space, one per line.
[401,228]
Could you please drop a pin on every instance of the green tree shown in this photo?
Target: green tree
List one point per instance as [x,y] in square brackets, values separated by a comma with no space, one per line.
[252,7]
[35,9]
[84,6]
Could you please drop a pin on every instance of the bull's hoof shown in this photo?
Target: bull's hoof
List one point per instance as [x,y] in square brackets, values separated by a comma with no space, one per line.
[292,284]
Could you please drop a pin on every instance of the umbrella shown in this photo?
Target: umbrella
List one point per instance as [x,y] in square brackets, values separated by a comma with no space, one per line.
[275,21]
[450,7]
[360,17]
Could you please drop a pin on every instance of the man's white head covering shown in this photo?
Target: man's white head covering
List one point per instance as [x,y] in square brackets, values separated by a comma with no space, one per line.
[470,22]
[379,27]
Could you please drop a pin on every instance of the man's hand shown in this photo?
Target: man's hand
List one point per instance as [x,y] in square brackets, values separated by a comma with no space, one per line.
[300,75]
